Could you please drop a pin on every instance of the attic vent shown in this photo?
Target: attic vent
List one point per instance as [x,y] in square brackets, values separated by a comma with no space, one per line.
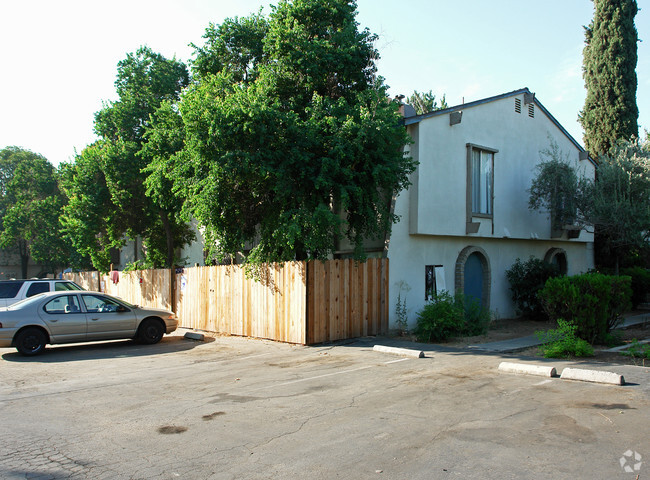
[518,105]
[531,110]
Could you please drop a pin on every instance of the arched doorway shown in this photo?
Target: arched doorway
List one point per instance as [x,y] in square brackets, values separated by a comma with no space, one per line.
[473,275]
[557,256]
[473,284]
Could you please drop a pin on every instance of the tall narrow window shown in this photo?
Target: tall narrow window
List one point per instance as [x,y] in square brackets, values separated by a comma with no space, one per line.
[434,281]
[429,282]
[481,181]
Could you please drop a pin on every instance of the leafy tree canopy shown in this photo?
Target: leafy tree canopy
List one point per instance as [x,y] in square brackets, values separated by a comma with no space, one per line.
[426,102]
[235,46]
[30,206]
[610,112]
[90,220]
[107,190]
[556,188]
[616,202]
[309,151]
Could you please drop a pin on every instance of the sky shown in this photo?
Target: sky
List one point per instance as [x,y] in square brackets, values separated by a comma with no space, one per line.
[59,59]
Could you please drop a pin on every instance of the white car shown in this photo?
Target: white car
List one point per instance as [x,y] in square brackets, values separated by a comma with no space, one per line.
[79,316]
[12,291]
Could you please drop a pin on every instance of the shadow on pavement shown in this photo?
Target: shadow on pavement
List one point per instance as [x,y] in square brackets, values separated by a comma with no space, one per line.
[105,350]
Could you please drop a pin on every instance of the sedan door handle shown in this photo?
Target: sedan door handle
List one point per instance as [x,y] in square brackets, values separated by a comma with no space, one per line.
[94,319]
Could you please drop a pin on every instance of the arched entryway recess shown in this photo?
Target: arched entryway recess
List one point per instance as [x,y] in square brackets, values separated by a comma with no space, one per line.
[473,274]
[557,257]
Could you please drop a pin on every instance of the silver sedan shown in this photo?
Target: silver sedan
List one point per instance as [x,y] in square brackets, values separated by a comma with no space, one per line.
[69,317]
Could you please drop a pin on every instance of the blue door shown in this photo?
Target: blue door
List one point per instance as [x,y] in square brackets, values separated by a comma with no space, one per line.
[474,277]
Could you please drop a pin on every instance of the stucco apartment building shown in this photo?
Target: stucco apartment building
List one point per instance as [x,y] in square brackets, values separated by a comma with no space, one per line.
[465,219]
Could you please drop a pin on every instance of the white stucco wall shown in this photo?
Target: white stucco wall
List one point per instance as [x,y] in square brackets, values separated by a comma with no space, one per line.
[10,266]
[438,202]
[407,264]
[129,253]
[192,254]
[189,255]
[433,211]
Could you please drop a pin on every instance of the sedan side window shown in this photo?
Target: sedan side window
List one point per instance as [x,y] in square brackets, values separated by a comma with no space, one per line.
[59,286]
[10,289]
[37,287]
[62,304]
[99,304]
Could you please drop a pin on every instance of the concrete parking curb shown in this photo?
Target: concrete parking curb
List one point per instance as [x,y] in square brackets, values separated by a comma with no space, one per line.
[194,336]
[404,352]
[596,376]
[527,369]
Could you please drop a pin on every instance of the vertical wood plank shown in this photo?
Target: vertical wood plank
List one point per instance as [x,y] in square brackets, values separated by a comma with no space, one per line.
[297,302]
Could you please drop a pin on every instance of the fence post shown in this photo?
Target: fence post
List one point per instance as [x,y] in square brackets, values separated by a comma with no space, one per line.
[309,330]
[385,300]
[172,289]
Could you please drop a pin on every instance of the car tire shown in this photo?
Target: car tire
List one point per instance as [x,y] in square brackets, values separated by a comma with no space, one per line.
[150,331]
[30,341]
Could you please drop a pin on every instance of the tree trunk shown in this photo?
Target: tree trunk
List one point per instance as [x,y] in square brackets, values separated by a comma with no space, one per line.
[24,258]
[169,237]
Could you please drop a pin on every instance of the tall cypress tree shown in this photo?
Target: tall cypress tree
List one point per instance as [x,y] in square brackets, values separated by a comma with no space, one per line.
[609,70]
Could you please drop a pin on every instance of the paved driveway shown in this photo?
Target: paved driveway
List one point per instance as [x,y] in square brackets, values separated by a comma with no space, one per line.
[237,408]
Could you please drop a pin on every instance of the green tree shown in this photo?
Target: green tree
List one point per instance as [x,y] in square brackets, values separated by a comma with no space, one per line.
[109,176]
[308,152]
[163,139]
[426,102]
[30,206]
[235,46]
[610,112]
[616,203]
[557,188]
[90,220]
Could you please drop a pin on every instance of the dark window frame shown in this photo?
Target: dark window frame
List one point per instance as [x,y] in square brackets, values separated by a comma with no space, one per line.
[470,213]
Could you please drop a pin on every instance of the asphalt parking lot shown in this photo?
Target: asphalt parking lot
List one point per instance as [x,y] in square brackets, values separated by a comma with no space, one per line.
[236,408]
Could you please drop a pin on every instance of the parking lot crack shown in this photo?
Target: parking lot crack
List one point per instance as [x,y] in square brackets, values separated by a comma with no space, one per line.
[334,411]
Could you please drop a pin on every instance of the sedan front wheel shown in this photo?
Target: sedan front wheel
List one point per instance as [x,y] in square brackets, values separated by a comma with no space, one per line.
[151,331]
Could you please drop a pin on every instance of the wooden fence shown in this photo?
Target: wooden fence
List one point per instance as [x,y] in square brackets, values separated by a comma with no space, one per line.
[222,299]
[295,302]
[152,288]
[346,299]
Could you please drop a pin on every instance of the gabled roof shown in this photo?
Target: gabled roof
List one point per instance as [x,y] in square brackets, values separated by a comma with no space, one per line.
[419,118]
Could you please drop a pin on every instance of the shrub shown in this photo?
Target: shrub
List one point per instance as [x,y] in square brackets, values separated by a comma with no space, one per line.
[637,350]
[477,317]
[401,311]
[138,265]
[593,302]
[449,316]
[640,283]
[526,280]
[563,342]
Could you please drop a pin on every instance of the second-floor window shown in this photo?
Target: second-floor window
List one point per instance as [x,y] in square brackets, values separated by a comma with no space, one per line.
[481,180]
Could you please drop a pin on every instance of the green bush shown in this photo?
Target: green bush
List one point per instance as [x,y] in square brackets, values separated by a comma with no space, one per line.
[526,280]
[637,350]
[477,317]
[563,342]
[593,302]
[446,316]
[640,283]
